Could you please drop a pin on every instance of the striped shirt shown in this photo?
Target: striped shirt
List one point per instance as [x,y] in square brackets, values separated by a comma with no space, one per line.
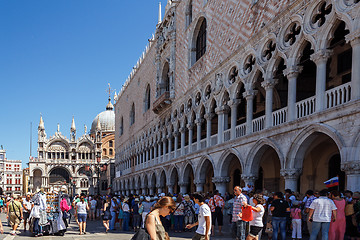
[238,201]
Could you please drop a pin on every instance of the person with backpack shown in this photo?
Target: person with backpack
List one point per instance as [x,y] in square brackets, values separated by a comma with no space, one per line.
[189,210]
[179,215]
[217,204]
[15,213]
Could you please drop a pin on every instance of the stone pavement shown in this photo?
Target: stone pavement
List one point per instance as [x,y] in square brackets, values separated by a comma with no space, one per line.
[95,230]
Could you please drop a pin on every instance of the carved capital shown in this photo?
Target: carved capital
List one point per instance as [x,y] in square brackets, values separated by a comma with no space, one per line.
[250,94]
[222,109]
[199,121]
[176,133]
[293,71]
[293,173]
[353,38]
[321,56]
[158,185]
[183,184]
[234,102]
[269,83]
[220,179]
[182,130]
[209,116]
[190,126]
[352,167]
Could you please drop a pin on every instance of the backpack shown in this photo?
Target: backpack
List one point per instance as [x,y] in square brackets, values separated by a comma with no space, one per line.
[141,234]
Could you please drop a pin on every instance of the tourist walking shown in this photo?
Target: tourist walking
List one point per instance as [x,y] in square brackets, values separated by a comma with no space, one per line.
[153,224]
[322,212]
[15,213]
[92,212]
[189,210]
[27,206]
[309,199]
[238,225]
[106,215]
[204,219]
[126,211]
[81,212]
[136,215]
[337,229]
[279,208]
[256,225]
[146,209]
[217,204]
[179,215]
[113,209]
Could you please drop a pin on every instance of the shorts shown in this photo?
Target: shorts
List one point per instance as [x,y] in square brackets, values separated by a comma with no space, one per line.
[26,215]
[255,230]
[82,217]
[198,236]
[217,215]
[92,210]
[14,219]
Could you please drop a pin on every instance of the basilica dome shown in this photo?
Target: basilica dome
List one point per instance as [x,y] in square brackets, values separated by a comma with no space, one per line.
[106,119]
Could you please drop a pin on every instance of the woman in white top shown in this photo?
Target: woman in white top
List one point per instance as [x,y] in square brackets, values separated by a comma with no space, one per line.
[81,208]
[256,225]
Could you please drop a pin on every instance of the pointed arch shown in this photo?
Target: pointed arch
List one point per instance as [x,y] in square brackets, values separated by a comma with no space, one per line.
[147,98]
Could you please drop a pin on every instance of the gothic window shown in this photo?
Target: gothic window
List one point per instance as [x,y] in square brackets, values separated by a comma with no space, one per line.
[121,130]
[165,87]
[233,75]
[188,14]
[132,114]
[147,98]
[111,143]
[104,152]
[201,41]
[110,152]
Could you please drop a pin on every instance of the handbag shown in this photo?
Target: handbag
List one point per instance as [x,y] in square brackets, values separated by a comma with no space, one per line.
[268,228]
[247,214]
[141,234]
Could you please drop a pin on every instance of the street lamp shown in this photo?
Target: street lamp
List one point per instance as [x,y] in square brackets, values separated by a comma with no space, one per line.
[98,159]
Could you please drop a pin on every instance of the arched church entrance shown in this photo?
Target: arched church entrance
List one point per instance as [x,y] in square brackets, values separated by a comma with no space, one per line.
[320,161]
[37,180]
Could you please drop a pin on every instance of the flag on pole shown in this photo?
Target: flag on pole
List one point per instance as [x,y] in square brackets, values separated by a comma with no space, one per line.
[332,182]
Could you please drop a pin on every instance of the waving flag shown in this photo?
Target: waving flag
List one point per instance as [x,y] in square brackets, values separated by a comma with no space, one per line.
[332,182]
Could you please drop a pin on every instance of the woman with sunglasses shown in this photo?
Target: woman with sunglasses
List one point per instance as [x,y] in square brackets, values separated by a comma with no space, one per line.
[163,207]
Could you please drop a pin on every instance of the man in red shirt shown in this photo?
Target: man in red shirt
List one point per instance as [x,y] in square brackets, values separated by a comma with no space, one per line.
[216,205]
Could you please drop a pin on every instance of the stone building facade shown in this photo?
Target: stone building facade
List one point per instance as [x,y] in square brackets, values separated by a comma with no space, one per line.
[258,93]
[81,164]
[10,175]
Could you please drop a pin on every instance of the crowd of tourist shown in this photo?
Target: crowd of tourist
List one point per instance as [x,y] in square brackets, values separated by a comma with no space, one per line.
[325,214]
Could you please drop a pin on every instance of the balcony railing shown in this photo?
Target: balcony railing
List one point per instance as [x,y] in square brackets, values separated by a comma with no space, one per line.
[161,102]
[338,95]
[305,107]
[334,97]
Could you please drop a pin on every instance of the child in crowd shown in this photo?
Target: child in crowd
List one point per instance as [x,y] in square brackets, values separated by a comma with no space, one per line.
[295,214]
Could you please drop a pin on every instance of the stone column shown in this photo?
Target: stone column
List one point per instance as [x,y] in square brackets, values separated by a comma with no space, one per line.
[158,187]
[249,180]
[176,143]
[354,39]
[269,85]
[183,187]
[146,155]
[169,142]
[143,191]
[198,122]
[170,188]
[182,131]
[190,126]
[208,118]
[199,185]
[292,73]
[164,147]
[143,156]
[220,183]
[233,105]
[320,59]
[221,111]
[151,191]
[249,96]
[352,170]
[291,177]
[159,151]
[155,151]
[151,153]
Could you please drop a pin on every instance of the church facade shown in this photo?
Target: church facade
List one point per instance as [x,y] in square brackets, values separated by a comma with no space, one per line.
[81,164]
[264,94]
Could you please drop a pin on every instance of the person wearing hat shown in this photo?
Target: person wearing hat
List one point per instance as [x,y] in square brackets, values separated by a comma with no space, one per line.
[126,211]
[189,210]
[27,205]
[15,213]
[136,215]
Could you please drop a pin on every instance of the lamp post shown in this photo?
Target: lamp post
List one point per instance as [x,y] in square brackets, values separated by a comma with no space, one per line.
[98,159]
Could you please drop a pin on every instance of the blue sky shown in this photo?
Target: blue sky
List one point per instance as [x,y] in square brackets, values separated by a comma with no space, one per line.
[56,58]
